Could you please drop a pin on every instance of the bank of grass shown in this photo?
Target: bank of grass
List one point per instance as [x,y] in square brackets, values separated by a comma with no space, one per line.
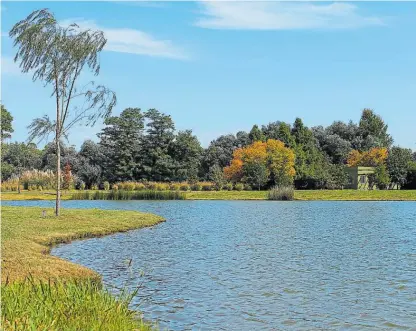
[70,306]
[330,195]
[43,292]
[310,195]
[356,195]
[35,195]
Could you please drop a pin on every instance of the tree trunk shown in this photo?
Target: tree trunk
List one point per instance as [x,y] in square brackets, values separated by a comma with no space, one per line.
[58,158]
[58,178]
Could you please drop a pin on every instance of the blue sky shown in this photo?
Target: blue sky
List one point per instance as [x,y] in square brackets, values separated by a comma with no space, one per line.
[220,67]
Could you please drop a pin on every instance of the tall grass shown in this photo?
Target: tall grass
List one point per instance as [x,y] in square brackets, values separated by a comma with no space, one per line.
[31,180]
[128,195]
[284,193]
[69,306]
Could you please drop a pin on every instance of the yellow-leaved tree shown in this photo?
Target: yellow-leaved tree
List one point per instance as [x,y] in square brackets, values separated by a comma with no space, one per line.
[262,162]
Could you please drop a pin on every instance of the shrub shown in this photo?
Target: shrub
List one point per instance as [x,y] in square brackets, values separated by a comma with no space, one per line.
[94,187]
[161,187]
[283,193]
[150,185]
[185,187]
[11,184]
[239,186]
[115,187]
[174,186]
[139,187]
[82,186]
[228,186]
[129,186]
[247,187]
[207,186]
[196,187]
[106,186]
[32,188]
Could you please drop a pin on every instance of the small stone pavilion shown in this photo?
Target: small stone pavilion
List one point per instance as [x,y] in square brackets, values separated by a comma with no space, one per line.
[359,177]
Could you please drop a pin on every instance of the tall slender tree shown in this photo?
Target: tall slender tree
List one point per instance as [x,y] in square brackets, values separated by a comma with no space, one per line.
[56,56]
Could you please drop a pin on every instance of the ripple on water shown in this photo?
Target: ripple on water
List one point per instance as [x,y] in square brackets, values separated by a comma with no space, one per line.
[263,265]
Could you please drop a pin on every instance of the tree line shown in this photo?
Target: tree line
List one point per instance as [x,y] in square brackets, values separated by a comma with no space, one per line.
[144,146]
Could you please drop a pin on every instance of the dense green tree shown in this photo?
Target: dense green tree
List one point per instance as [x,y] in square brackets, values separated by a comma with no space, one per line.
[216,175]
[157,162]
[338,177]
[271,130]
[68,154]
[312,165]
[348,132]
[6,123]
[380,178]
[186,151]
[285,135]
[256,174]
[398,163]
[243,139]
[219,152]
[92,151]
[411,177]
[91,158]
[279,131]
[332,144]
[57,56]
[17,157]
[121,143]
[256,134]
[373,131]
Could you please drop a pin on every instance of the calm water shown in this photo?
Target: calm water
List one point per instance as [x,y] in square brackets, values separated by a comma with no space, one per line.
[227,265]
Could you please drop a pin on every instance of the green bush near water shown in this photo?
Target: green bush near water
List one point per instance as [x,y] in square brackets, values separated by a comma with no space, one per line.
[68,306]
[284,193]
[129,195]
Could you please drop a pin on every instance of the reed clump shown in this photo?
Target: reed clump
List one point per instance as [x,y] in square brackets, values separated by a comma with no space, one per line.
[283,193]
[128,195]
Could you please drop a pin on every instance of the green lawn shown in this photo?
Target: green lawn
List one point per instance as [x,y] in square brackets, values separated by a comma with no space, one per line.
[398,195]
[73,300]
[375,195]
[34,195]
[393,195]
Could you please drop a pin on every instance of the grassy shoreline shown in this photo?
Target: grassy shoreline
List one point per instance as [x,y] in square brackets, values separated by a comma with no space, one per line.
[28,270]
[303,195]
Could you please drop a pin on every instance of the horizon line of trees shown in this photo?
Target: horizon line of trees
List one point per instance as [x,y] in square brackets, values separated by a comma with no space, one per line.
[144,146]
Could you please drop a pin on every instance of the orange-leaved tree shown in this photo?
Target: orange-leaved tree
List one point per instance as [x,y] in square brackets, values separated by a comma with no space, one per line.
[234,172]
[372,158]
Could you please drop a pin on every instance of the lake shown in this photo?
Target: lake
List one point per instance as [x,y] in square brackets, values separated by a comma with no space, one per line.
[261,265]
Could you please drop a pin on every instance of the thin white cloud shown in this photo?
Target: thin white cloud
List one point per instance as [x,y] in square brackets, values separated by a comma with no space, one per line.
[125,40]
[9,67]
[282,16]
